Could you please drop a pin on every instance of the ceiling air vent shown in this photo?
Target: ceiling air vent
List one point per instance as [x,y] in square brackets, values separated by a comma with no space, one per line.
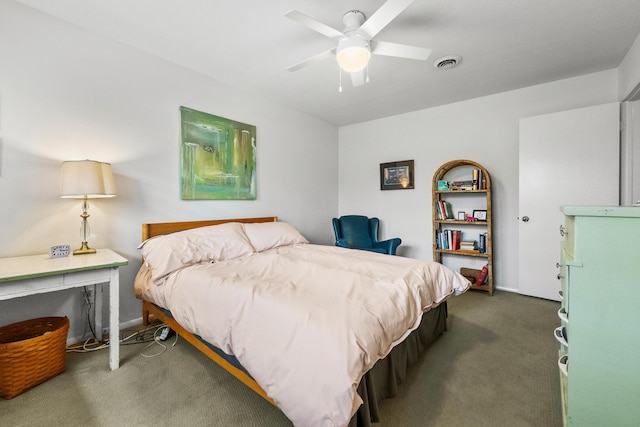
[447,62]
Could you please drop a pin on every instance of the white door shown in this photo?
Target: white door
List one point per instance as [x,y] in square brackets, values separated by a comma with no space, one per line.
[630,153]
[566,158]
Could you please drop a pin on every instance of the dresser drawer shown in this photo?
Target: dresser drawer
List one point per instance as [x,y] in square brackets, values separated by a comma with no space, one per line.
[563,365]
[29,287]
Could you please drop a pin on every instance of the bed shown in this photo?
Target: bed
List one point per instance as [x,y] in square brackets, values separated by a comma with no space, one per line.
[323,333]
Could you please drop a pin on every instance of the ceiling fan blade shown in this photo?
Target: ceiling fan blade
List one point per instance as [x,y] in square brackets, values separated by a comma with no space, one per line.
[400,50]
[357,78]
[381,17]
[317,26]
[312,60]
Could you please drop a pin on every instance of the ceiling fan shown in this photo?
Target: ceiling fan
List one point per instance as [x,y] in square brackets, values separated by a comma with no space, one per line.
[355,43]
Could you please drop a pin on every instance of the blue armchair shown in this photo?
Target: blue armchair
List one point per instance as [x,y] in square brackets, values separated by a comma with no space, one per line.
[361,232]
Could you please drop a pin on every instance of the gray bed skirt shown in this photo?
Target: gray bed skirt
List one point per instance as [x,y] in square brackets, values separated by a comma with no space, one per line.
[382,381]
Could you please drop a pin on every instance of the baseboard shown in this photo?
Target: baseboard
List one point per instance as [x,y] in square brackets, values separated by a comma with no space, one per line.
[124,325]
[500,288]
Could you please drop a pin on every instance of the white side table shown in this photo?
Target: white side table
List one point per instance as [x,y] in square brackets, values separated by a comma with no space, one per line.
[37,274]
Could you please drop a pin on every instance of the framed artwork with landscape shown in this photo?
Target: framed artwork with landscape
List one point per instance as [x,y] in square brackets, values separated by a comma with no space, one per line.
[396,175]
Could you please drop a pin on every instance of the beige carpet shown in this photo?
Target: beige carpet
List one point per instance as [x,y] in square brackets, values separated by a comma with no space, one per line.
[496,366]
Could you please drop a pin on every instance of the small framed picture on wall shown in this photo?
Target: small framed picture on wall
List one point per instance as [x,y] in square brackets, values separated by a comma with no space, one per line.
[396,175]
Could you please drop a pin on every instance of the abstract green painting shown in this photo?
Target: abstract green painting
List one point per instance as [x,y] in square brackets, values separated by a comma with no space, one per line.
[218,157]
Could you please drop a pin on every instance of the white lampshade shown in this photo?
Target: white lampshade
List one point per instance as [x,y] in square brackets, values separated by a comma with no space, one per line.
[86,178]
[353,54]
[109,183]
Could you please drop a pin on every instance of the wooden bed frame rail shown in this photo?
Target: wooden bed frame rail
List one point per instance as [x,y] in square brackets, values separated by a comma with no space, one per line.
[148,309]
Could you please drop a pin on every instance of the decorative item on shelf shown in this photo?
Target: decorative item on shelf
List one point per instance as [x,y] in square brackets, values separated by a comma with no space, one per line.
[462,216]
[482,183]
[471,274]
[443,185]
[480,215]
[86,179]
[396,175]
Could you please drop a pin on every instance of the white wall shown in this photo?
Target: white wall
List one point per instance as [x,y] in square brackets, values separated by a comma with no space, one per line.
[68,94]
[629,71]
[484,130]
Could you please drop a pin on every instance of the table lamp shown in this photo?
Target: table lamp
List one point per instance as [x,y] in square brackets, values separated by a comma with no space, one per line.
[86,179]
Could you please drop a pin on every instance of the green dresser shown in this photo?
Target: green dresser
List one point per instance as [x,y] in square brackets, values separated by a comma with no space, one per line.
[599,321]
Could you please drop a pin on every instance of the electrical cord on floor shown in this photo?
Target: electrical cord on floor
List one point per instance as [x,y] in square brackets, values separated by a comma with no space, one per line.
[160,333]
[150,334]
[157,340]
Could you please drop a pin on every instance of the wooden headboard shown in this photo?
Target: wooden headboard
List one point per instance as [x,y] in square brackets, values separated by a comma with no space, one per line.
[155,229]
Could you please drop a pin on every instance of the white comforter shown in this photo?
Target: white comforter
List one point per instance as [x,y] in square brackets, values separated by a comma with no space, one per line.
[307,321]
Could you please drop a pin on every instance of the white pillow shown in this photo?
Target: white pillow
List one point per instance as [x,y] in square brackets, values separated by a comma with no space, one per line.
[170,252]
[268,235]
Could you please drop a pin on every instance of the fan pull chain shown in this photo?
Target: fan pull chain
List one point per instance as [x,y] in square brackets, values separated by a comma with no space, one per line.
[366,79]
[340,79]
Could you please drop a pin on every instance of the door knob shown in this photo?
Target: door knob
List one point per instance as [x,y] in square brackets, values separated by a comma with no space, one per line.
[525,218]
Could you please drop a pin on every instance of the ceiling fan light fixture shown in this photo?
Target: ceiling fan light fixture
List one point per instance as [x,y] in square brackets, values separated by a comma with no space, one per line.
[353,54]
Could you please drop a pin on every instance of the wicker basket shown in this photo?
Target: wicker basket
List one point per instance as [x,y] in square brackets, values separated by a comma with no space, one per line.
[31,352]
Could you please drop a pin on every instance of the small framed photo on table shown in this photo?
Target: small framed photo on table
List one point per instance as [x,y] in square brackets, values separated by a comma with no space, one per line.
[396,175]
[480,215]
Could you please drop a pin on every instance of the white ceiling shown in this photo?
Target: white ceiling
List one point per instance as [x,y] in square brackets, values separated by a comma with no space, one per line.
[249,44]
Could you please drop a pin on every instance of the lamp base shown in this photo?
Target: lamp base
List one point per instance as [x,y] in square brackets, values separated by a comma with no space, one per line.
[84,250]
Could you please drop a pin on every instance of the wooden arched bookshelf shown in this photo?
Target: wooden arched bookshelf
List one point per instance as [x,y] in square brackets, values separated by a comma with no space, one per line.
[464,197]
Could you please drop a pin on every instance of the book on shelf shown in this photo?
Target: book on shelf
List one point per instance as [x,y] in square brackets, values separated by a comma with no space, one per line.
[477,182]
[468,245]
[482,243]
[449,210]
[443,240]
[483,275]
[461,185]
[456,235]
[448,239]
[444,210]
